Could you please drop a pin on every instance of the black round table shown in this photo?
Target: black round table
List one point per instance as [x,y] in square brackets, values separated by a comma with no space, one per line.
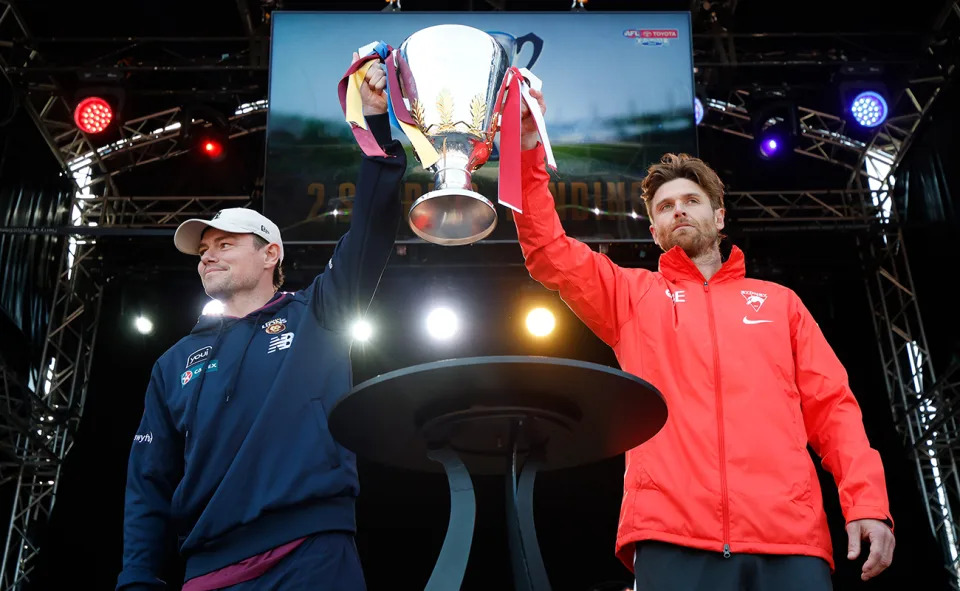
[511,415]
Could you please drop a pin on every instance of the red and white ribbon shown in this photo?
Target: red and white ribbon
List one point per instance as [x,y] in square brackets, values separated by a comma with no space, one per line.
[516,87]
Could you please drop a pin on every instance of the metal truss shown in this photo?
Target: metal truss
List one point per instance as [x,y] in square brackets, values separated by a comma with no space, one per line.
[15,399]
[924,407]
[822,136]
[157,137]
[47,106]
[155,212]
[779,210]
[41,419]
[719,48]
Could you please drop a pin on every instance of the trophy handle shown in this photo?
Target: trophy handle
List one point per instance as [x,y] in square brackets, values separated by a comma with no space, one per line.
[537,47]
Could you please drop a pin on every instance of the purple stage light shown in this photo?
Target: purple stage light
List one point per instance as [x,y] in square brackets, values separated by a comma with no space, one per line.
[869,109]
[769,146]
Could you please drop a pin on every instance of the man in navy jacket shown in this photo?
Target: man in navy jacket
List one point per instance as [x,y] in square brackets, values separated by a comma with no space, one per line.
[233,454]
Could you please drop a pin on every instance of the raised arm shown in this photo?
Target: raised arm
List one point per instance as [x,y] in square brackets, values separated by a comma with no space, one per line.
[589,282]
[344,290]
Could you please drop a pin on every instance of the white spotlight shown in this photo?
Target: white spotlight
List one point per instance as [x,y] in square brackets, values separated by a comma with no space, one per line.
[540,322]
[213,308]
[442,324]
[361,331]
[143,325]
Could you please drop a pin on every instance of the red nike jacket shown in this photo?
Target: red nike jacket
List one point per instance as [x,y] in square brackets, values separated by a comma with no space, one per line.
[749,381]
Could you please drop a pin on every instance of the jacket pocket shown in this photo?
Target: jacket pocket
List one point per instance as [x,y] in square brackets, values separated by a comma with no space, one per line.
[636,476]
[328,453]
[810,473]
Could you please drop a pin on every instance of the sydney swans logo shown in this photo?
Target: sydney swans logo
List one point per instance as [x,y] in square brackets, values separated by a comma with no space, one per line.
[754,300]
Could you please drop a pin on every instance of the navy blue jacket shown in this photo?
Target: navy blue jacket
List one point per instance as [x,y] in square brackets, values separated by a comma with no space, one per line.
[233,454]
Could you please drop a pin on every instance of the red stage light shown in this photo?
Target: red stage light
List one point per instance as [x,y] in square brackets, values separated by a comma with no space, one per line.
[212,148]
[93,114]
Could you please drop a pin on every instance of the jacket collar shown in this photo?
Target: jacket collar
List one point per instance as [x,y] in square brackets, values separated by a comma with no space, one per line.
[220,321]
[675,265]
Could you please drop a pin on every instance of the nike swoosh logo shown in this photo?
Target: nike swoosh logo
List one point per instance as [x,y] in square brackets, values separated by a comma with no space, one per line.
[748,321]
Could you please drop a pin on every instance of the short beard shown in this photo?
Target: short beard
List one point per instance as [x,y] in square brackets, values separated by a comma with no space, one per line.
[695,246]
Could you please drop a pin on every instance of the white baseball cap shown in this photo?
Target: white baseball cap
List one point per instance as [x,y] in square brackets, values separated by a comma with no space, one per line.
[238,220]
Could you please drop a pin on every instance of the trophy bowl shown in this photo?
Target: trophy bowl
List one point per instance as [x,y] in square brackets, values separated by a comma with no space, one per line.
[450,77]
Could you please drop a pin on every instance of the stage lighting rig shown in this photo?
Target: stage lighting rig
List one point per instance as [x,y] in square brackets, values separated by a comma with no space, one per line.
[205,131]
[97,108]
[864,94]
[773,119]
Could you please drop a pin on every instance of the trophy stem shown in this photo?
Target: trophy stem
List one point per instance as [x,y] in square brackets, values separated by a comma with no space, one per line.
[453,178]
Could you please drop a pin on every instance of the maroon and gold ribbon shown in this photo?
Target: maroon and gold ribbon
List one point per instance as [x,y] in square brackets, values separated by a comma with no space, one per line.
[352,105]
[425,151]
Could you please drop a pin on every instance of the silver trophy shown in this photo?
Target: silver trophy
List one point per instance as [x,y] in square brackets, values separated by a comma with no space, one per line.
[451,76]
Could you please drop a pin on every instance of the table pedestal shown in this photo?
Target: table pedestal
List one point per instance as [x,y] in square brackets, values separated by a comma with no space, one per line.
[529,573]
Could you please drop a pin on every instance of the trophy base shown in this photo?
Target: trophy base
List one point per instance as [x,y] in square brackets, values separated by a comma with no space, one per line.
[452,217]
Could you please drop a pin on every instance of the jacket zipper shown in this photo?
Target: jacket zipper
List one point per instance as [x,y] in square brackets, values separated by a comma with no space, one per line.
[203,376]
[725,501]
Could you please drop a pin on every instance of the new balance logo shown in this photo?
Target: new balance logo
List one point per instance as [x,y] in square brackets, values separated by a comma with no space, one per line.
[280,342]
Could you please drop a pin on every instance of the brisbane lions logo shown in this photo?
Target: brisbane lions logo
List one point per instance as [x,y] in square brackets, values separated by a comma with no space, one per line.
[754,300]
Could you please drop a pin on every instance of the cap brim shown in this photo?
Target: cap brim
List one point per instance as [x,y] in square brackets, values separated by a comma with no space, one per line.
[187,236]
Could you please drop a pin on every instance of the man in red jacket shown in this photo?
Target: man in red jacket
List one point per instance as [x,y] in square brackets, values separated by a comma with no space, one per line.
[725,496]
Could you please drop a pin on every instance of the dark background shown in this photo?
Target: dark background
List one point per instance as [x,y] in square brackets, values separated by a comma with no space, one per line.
[402,515]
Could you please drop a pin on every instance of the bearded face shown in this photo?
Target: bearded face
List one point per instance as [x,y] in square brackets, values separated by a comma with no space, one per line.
[683,216]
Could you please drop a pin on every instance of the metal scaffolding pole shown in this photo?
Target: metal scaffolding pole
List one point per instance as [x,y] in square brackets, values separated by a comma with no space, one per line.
[924,409]
[46,413]
[41,417]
